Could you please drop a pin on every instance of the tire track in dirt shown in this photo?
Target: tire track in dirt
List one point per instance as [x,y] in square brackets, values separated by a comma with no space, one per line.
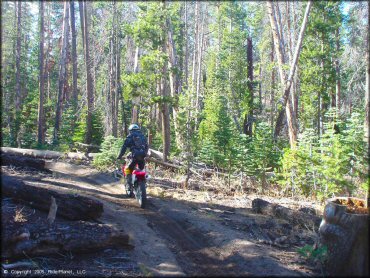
[171,241]
[189,245]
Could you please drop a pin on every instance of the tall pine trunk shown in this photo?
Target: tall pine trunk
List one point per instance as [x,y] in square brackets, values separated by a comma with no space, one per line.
[337,74]
[164,104]
[74,57]
[367,102]
[248,120]
[40,117]
[18,89]
[89,82]
[174,78]
[62,73]
[136,99]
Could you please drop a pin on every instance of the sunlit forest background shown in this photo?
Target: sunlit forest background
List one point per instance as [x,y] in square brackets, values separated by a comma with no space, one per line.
[276,91]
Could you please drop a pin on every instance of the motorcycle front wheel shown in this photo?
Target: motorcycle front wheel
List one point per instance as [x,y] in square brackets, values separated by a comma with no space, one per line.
[129,191]
[141,193]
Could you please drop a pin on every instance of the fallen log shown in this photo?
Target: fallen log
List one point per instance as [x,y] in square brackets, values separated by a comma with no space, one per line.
[22,161]
[294,216]
[44,154]
[155,154]
[70,206]
[87,148]
[61,237]
[156,161]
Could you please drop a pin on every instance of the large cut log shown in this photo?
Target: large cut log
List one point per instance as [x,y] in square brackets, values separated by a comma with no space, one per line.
[23,161]
[36,238]
[43,154]
[296,217]
[344,230]
[70,206]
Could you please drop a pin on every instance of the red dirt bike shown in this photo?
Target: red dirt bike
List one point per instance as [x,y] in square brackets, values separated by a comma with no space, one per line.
[139,178]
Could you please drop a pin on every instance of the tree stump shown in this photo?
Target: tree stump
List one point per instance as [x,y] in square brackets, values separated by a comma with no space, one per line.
[344,231]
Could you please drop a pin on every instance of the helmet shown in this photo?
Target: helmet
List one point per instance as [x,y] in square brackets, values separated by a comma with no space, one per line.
[133,127]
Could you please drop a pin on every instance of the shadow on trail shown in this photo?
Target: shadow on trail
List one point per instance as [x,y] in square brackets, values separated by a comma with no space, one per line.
[195,231]
[200,248]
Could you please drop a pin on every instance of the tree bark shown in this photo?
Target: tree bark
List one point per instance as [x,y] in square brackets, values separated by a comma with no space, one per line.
[248,120]
[70,206]
[18,91]
[367,104]
[118,79]
[346,236]
[62,72]
[136,99]
[174,78]
[186,46]
[196,42]
[272,92]
[199,64]
[112,75]
[287,81]
[74,56]
[89,82]
[40,116]
[166,134]
[82,18]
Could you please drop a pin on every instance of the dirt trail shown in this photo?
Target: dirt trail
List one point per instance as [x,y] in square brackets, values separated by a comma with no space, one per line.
[178,237]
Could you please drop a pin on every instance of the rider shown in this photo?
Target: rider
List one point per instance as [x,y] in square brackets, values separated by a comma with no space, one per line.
[138,145]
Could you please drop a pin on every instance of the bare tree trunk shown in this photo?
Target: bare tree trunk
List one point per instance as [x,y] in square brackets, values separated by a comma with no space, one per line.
[199,63]
[337,71]
[164,105]
[248,122]
[319,97]
[112,75]
[89,83]
[260,87]
[48,63]
[272,92]
[186,45]
[18,90]
[74,56]
[118,78]
[218,35]
[81,8]
[62,73]
[40,117]
[367,101]
[174,78]
[196,47]
[287,82]
[136,100]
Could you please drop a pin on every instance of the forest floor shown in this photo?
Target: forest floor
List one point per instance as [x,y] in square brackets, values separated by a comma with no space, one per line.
[182,232]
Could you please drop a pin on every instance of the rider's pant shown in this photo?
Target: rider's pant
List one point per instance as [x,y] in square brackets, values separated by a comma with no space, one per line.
[140,163]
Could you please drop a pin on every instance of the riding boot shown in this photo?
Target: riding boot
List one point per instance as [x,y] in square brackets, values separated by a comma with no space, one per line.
[129,181]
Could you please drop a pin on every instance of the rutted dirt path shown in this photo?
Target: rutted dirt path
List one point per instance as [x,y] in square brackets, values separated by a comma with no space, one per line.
[181,236]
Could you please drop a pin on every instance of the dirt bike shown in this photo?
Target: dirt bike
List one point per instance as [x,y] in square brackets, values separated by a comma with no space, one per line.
[139,178]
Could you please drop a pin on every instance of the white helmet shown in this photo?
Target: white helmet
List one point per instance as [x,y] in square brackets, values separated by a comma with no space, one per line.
[133,127]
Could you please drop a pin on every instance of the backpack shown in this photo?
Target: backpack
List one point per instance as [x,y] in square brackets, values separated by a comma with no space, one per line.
[139,145]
